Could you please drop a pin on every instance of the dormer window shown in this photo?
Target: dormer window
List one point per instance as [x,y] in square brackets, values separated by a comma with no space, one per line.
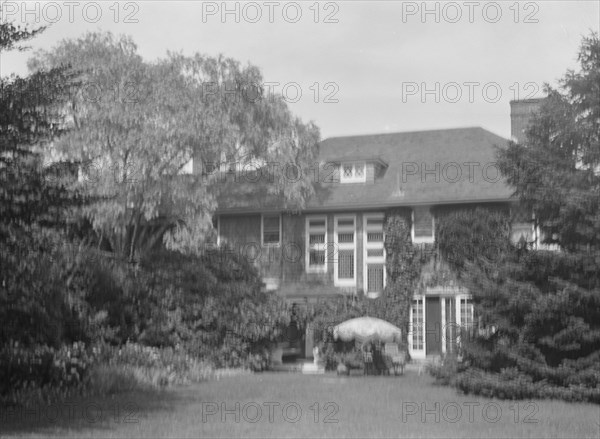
[353,172]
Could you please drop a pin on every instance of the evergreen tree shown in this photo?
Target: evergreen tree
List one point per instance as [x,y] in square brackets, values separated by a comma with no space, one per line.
[543,307]
[33,197]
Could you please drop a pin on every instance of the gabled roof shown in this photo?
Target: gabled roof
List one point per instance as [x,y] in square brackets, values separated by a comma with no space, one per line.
[423,167]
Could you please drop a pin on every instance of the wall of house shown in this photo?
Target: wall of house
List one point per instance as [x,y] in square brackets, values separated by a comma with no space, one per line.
[284,266]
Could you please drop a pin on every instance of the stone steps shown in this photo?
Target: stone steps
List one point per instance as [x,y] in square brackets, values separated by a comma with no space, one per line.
[312,369]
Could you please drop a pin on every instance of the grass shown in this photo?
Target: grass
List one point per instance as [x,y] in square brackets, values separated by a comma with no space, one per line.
[330,406]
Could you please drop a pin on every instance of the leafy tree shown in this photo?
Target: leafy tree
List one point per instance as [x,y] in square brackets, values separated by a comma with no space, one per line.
[139,123]
[541,308]
[556,172]
[33,197]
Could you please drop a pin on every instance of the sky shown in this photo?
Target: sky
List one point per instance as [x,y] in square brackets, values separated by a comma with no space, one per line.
[352,67]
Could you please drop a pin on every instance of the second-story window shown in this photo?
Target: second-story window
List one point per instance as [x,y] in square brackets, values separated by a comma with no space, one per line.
[271,229]
[374,254]
[353,172]
[345,250]
[423,225]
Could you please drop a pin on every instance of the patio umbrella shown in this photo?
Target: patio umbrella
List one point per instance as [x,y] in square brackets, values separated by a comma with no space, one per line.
[366,328]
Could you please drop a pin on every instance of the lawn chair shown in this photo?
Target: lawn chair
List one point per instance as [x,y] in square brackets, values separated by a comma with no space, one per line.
[398,358]
[368,359]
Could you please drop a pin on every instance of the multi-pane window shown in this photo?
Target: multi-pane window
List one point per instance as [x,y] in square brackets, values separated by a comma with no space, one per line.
[346,264]
[353,172]
[375,273]
[316,236]
[422,225]
[345,250]
[466,314]
[374,256]
[271,229]
[417,313]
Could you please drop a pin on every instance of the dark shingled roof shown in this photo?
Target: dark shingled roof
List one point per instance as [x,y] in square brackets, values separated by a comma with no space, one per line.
[406,180]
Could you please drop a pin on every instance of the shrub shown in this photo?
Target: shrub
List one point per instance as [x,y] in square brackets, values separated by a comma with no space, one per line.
[48,372]
[445,371]
[511,384]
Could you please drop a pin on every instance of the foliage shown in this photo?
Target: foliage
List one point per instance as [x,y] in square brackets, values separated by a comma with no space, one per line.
[446,370]
[34,200]
[138,124]
[30,375]
[171,317]
[469,236]
[539,310]
[512,384]
[404,262]
[213,306]
[42,370]
[555,173]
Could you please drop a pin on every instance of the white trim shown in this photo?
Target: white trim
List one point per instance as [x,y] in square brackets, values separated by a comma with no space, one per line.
[343,246]
[218,230]
[262,228]
[308,268]
[417,353]
[354,178]
[422,239]
[459,321]
[443,323]
[373,246]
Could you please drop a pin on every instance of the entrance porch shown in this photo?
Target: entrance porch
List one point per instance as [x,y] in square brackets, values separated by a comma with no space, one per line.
[436,319]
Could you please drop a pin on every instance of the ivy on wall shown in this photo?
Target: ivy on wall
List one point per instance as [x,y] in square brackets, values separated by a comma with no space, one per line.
[412,268]
[404,265]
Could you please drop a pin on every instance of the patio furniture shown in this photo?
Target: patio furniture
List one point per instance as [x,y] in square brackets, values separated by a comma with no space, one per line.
[369,366]
[366,328]
[398,357]
[350,361]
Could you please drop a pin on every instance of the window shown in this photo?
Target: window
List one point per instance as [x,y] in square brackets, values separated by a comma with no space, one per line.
[345,251]
[374,254]
[353,172]
[466,313]
[417,324]
[522,230]
[422,225]
[316,244]
[451,332]
[271,229]
[214,236]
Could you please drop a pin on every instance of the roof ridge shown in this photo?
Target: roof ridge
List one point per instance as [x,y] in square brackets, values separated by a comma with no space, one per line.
[435,130]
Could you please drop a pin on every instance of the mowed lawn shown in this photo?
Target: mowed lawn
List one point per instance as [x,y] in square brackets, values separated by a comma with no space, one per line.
[294,405]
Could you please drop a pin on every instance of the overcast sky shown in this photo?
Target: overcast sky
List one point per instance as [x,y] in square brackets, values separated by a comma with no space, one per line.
[365,63]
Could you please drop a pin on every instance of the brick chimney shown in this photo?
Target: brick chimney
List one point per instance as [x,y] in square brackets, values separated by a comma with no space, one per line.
[520,115]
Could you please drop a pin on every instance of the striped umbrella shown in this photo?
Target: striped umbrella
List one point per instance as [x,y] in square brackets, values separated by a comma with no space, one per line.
[366,328]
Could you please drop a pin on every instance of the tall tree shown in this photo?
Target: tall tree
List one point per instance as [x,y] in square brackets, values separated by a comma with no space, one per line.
[139,123]
[543,307]
[33,196]
[556,171]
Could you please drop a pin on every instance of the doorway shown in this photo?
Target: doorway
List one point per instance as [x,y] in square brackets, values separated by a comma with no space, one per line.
[433,326]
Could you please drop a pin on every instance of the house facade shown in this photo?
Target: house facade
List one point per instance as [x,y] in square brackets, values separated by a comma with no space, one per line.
[335,246]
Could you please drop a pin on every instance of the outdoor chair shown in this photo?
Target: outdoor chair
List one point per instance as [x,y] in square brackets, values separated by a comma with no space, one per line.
[368,360]
[398,358]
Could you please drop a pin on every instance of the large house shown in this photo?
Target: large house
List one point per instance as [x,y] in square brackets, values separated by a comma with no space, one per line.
[335,246]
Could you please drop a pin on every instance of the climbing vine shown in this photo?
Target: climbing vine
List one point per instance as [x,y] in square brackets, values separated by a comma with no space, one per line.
[404,264]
